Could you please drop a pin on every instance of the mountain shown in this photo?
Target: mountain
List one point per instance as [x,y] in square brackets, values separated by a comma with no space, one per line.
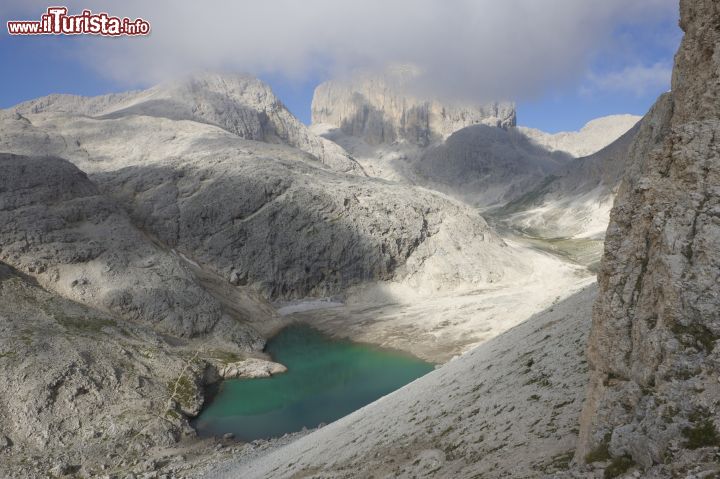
[486,165]
[378,108]
[575,201]
[268,216]
[240,104]
[160,223]
[510,407]
[593,137]
[473,153]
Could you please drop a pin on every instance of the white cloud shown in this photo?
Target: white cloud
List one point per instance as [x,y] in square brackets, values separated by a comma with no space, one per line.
[468,49]
[636,79]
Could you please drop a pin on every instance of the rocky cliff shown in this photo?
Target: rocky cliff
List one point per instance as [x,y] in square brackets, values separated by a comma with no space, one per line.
[653,395]
[380,109]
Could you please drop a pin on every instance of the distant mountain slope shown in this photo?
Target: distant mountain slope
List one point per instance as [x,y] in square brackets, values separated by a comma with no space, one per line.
[473,153]
[486,165]
[593,137]
[242,105]
[575,202]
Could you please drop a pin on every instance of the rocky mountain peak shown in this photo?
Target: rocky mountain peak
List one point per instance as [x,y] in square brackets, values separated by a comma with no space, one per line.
[240,104]
[379,108]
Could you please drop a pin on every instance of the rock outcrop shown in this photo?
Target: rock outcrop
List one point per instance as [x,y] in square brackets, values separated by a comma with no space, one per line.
[251,368]
[56,226]
[83,392]
[242,105]
[653,349]
[379,109]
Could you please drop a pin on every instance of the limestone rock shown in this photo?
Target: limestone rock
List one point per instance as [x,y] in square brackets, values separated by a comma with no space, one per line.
[575,201]
[591,138]
[78,384]
[653,346]
[55,225]
[251,368]
[240,104]
[379,109]
[271,217]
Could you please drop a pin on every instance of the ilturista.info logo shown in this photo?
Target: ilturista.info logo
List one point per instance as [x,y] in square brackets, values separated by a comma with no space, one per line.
[56,21]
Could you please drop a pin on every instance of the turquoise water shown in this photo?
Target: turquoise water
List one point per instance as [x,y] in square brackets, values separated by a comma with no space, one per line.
[326,380]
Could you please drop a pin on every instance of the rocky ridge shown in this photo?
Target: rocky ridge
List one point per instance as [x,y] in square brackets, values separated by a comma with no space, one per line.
[239,104]
[591,138]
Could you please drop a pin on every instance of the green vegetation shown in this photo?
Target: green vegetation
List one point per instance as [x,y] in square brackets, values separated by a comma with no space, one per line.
[183,391]
[702,433]
[601,452]
[619,465]
[86,324]
[541,380]
[561,462]
[528,200]
[225,357]
[699,336]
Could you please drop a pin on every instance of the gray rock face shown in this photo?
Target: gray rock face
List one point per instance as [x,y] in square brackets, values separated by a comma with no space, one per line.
[83,390]
[242,105]
[653,346]
[57,227]
[487,165]
[378,109]
[153,241]
[591,138]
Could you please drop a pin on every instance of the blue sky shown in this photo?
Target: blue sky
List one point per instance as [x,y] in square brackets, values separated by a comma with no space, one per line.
[623,72]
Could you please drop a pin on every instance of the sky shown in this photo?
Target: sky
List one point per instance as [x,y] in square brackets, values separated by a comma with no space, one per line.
[564,62]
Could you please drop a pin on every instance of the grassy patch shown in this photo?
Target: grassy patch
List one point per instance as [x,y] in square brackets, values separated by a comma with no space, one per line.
[619,465]
[224,357]
[561,462]
[90,324]
[695,335]
[183,390]
[702,433]
[601,452]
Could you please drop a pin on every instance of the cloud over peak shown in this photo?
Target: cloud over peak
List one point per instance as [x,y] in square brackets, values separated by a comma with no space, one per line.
[474,50]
